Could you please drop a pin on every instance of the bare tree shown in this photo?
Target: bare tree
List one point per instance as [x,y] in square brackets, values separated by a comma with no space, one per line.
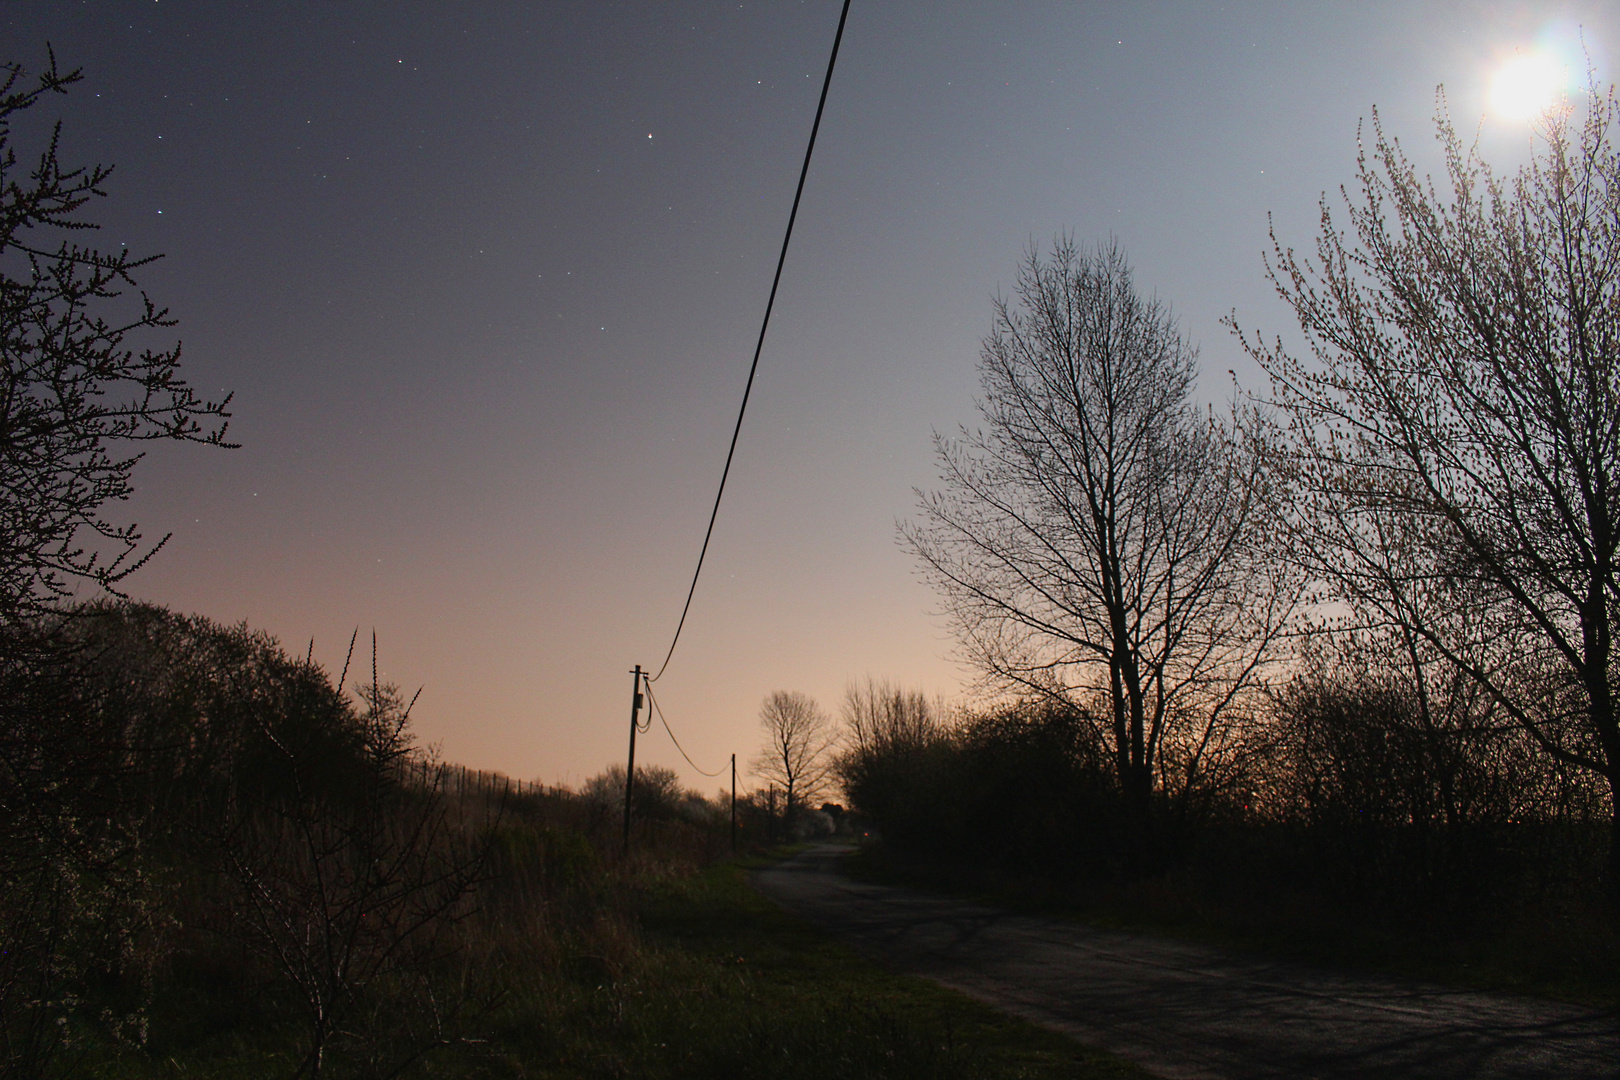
[72,390]
[349,884]
[890,735]
[1453,433]
[880,716]
[797,754]
[1093,543]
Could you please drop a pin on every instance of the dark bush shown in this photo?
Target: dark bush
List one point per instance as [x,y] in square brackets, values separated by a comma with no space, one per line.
[183,800]
[1021,790]
[1366,792]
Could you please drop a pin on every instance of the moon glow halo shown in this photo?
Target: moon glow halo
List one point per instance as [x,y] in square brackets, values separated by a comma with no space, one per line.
[1527,86]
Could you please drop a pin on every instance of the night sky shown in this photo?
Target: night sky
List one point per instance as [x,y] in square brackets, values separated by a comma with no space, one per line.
[486,278]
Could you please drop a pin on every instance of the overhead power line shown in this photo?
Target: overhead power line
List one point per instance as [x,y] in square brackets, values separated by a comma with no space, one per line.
[759,346]
[659,710]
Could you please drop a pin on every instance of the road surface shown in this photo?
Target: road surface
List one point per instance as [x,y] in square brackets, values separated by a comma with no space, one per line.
[1193,1012]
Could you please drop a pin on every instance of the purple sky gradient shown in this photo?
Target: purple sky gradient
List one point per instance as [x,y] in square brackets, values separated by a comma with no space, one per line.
[488,337]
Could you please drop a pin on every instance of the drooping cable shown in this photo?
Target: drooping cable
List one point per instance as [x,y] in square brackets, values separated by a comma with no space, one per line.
[672,738]
[759,346]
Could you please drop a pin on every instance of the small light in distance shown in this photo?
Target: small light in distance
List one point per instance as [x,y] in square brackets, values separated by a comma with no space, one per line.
[1527,85]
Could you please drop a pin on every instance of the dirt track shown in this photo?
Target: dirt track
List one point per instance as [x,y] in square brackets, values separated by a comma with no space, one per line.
[1189,1011]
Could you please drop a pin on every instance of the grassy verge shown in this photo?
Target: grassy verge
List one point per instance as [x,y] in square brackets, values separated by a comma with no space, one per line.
[1561,952]
[726,985]
[696,976]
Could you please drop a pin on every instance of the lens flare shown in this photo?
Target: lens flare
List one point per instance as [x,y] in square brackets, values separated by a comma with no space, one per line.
[1527,86]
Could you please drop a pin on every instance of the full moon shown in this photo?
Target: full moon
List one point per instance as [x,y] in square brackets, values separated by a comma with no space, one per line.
[1526,86]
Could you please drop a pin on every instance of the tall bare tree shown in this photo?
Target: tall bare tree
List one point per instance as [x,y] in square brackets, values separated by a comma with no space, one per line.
[797,754]
[1452,433]
[1093,542]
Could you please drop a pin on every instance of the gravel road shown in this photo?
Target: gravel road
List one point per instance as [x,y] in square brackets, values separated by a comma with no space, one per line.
[1192,1012]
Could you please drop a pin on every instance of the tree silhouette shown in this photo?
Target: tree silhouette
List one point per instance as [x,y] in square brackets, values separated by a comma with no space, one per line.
[798,748]
[74,392]
[1093,543]
[1450,443]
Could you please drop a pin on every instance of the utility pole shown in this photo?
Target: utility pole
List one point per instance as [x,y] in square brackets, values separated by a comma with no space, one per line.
[734,804]
[630,767]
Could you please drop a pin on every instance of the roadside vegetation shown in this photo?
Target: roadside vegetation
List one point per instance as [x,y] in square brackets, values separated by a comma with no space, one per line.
[246,867]
[1335,673]
[1306,853]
